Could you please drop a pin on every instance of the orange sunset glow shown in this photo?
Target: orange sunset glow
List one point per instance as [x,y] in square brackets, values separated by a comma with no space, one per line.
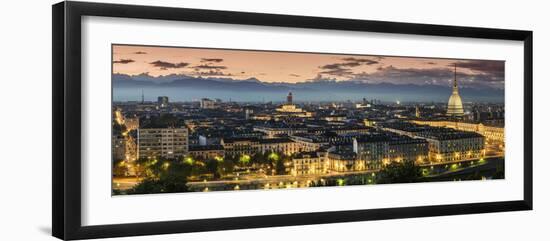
[292,67]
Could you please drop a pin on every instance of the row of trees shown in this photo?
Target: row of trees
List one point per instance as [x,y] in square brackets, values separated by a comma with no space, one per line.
[399,172]
[161,175]
[269,160]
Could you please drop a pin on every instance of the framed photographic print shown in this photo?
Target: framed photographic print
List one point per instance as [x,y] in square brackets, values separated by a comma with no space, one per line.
[170,120]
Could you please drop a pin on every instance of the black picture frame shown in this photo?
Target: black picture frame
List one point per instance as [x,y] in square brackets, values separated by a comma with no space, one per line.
[66,58]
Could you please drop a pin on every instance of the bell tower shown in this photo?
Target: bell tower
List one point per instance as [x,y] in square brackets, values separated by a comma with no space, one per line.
[289,98]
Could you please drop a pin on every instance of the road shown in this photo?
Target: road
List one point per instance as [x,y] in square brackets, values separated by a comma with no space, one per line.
[439,171]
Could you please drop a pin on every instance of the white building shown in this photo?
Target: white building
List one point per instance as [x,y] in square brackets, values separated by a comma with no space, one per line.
[163,142]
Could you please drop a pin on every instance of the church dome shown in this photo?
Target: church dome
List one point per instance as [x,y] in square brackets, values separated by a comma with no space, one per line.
[454,107]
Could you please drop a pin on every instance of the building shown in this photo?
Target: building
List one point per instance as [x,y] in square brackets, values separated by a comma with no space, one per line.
[279,145]
[308,143]
[313,142]
[240,146]
[207,152]
[491,133]
[454,107]
[162,142]
[309,163]
[162,101]
[335,117]
[405,149]
[291,110]
[289,98]
[445,144]
[380,149]
[345,161]
[350,129]
[273,131]
[454,146]
[207,103]
[248,113]
[118,145]
[251,146]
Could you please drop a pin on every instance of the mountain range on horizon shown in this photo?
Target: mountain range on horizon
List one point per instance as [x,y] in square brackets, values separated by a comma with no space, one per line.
[186,88]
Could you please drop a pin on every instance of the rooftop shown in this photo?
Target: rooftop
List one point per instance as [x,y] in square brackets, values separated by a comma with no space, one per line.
[206,148]
[275,140]
[343,154]
[439,133]
[311,154]
[240,139]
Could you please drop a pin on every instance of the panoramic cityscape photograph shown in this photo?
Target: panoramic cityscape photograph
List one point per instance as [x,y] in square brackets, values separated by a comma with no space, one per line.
[189,119]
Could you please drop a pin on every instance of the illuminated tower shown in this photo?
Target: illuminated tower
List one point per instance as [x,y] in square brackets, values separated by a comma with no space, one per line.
[454,107]
[289,98]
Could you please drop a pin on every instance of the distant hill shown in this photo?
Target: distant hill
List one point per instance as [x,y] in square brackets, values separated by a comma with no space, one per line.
[182,88]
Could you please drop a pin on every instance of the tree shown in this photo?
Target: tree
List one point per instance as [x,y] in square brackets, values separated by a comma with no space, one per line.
[280,168]
[244,159]
[119,168]
[163,176]
[167,184]
[198,168]
[226,166]
[212,167]
[258,158]
[399,172]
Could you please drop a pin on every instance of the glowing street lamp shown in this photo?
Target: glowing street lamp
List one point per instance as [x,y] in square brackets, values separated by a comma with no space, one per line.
[188,160]
[245,159]
[273,156]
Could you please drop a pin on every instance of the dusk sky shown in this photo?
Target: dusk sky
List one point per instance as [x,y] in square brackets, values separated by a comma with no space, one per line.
[291,67]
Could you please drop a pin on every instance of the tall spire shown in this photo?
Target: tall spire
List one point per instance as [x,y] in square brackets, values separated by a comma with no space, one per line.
[142,97]
[455,85]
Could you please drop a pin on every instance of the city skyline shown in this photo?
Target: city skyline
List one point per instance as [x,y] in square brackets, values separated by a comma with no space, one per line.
[293,67]
[212,145]
[201,120]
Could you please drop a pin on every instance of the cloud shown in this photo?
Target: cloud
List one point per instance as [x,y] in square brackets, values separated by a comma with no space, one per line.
[331,66]
[437,76]
[321,78]
[208,69]
[206,66]
[211,60]
[344,69]
[294,75]
[362,60]
[211,73]
[430,63]
[336,69]
[338,72]
[123,61]
[167,65]
[140,52]
[484,66]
